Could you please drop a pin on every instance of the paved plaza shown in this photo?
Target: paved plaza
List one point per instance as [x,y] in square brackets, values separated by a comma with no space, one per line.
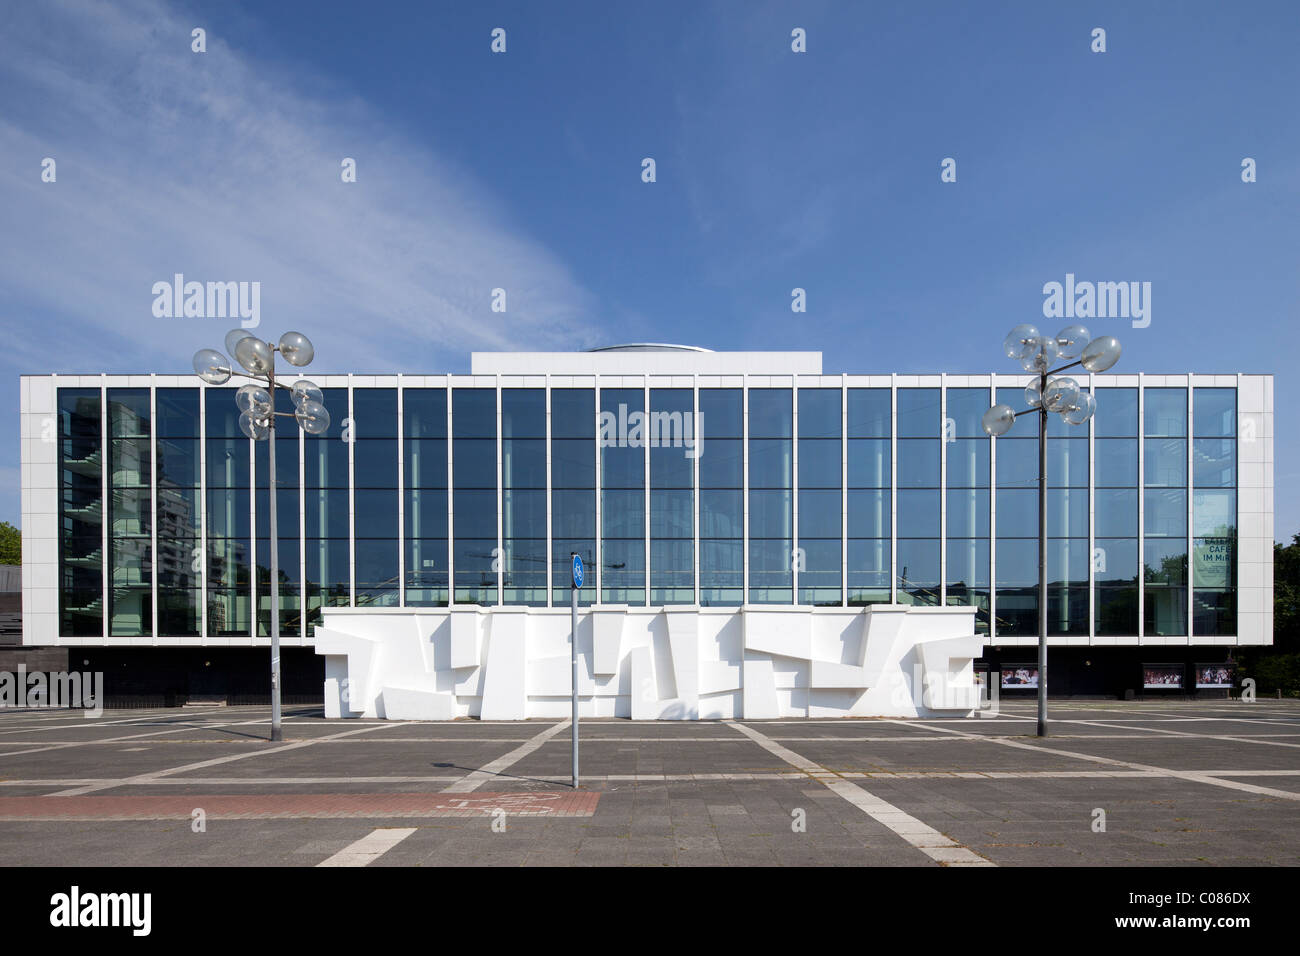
[1117,783]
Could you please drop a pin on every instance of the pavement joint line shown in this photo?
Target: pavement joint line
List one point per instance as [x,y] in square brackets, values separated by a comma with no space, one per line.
[155,774]
[43,746]
[1238,720]
[97,722]
[496,767]
[940,848]
[751,776]
[1249,739]
[1195,776]
[369,848]
[1154,734]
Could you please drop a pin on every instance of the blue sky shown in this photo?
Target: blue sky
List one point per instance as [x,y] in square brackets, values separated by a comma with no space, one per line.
[775,170]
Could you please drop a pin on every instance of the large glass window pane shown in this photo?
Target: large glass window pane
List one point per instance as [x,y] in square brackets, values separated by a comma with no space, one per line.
[1166,462]
[770,463]
[523,413]
[1117,413]
[919,413]
[721,413]
[819,413]
[573,490]
[130,550]
[721,468]
[770,413]
[966,408]
[523,495]
[819,514]
[1214,462]
[81,513]
[918,463]
[721,513]
[1165,412]
[426,569]
[1214,412]
[869,413]
[672,502]
[1067,512]
[1117,462]
[474,495]
[869,463]
[968,463]
[869,513]
[770,574]
[918,513]
[1165,512]
[1116,512]
[1018,462]
[968,512]
[326,505]
[918,571]
[1017,514]
[179,519]
[722,463]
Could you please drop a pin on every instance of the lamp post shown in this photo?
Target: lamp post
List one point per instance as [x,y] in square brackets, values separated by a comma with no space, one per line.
[257,420]
[1057,394]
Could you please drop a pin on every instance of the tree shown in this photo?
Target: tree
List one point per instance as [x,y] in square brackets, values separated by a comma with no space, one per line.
[11,544]
[1286,596]
[1278,667]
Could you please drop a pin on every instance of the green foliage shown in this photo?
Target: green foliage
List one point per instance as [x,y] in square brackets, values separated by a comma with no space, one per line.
[11,544]
[1278,667]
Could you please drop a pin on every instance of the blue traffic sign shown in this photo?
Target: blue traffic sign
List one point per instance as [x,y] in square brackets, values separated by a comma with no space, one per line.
[577,571]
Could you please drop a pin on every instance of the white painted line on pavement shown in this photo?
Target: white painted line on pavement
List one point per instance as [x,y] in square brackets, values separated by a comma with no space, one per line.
[921,835]
[485,773]
[1196,776]
[369,848]
[153,775]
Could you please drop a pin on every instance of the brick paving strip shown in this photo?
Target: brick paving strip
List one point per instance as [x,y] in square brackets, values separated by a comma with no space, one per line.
[289,806]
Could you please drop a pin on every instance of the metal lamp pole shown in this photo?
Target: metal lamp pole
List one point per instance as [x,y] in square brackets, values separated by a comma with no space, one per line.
[1042,560]
[257,422]
[1065,397]
[276,732]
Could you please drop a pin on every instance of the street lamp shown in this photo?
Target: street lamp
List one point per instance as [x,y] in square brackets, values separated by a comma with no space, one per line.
[256,404]
[1063,396]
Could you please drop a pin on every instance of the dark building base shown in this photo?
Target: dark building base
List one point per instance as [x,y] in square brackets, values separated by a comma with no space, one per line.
[1110,673]
[173,676]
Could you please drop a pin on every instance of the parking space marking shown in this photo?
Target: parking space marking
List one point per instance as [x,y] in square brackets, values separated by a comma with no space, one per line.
[485,773]
[369,848]
[942,849]
[1251,739]
[199,765]
[1196,776]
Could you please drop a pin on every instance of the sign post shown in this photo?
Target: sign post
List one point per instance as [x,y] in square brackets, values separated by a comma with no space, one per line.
[573,605]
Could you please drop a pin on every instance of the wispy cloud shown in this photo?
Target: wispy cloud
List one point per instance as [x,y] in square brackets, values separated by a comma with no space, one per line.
[224,167]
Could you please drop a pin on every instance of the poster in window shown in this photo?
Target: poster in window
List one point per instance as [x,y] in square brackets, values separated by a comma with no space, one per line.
[1019,676]
[1213,676]
[1162,676]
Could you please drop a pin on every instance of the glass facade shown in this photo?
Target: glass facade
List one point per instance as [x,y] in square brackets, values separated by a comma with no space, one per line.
[425,502]
[672,494]
[81,512]
[722,497]
[966,512]
[1115,513]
